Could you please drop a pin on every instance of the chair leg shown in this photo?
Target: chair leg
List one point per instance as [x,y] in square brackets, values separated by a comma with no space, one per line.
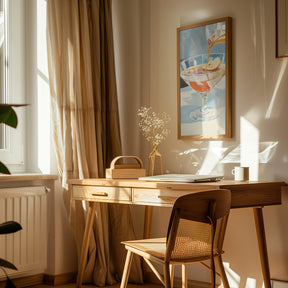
[171,266]
[184,276]
[166,276]
[126,270]
[222,272]
[212,278]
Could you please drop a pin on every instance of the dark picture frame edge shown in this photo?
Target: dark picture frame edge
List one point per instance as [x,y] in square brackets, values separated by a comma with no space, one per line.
[278,30]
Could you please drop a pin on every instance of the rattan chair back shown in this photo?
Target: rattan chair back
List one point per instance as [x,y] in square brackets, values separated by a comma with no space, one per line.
[196,224]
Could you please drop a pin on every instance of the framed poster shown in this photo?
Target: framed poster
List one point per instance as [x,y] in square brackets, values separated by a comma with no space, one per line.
[204,80]
[281,28]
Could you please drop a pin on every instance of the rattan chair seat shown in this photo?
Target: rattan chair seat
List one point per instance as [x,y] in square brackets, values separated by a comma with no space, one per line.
[157,248]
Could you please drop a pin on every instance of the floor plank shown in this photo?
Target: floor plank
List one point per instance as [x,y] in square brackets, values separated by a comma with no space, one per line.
[73,285]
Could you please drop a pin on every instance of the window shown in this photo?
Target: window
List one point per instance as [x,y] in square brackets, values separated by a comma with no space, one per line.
[12,80]
[24,71]
[2,66]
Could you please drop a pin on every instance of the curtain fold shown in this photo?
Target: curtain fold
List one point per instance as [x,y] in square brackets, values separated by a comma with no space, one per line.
[86,125]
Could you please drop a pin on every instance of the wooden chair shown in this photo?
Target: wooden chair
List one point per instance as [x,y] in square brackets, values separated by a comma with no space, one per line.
[195,234]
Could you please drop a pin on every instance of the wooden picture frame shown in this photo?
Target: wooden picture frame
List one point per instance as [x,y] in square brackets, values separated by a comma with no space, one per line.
[281,8]
[204,82]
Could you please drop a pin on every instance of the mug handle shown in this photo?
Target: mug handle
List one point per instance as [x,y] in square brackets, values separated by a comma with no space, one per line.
[233,171]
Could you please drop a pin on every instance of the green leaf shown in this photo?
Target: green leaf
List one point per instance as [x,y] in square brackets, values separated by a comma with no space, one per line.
[4,169]
[8,116]
[7,264]
[9,227]
[9,283]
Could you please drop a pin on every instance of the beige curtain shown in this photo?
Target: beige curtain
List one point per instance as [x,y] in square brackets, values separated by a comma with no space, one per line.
[86,124]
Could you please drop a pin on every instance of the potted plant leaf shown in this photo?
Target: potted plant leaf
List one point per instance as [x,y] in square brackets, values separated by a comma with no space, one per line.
[7,228]
[8,117]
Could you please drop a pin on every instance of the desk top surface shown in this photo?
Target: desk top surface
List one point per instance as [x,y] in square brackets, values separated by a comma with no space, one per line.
[135,183]
[243,194]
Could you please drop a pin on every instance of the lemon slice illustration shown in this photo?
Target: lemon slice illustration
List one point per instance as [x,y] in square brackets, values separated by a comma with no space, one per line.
[214,64]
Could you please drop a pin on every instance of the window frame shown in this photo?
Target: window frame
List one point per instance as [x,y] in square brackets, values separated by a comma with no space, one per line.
[13,153]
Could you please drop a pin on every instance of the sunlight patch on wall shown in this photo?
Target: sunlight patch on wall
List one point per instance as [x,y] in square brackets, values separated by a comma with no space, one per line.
[249,156]
[208,158]
[233,277]
[250,283]
[188,151]
[279,79]
[250,152]
[265,154]
[43,91]
[212,158]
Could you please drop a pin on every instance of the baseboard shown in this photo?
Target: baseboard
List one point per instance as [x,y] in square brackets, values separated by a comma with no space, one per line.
[60,279]
[66,278]
[26,281]
[39,279]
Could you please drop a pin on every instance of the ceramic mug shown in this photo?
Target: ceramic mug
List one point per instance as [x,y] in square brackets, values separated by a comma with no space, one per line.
[240,173]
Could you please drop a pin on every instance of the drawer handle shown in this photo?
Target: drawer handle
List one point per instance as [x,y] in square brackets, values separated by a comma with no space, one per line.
[105,194]
[167,199]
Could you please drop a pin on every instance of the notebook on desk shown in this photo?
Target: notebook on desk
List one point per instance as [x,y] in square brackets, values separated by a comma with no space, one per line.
[182,178]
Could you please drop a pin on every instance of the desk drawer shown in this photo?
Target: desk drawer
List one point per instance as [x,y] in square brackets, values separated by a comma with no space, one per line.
[102,194]
[157,197]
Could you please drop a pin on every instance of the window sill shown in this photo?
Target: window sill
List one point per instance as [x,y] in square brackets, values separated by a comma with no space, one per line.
[27,177]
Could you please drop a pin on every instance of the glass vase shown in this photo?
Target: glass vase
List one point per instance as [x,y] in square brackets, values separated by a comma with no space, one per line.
[155,163]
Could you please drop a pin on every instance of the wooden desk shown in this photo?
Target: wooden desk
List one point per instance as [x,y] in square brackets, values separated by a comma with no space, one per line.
[243,194]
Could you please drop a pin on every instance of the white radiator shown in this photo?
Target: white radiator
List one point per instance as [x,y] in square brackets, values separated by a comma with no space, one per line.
[26,249]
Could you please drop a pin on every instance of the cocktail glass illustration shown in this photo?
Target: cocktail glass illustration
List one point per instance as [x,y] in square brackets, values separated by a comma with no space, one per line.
[202,77]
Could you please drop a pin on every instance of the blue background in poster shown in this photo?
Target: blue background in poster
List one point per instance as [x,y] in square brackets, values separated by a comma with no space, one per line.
[194,41]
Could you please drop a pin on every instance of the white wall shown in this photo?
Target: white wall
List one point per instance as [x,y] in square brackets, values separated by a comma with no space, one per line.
[146,53]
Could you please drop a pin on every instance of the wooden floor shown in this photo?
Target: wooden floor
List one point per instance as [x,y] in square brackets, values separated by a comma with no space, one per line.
[73,285]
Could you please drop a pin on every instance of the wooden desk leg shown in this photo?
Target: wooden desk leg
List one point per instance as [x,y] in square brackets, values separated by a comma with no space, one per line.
[146,235]
[85,244]
[147,222]
[259,223]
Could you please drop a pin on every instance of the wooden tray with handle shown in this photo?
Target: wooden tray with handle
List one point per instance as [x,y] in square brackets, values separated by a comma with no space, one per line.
[125,171]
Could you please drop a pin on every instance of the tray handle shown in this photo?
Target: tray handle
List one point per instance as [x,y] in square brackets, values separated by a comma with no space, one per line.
[113,162]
